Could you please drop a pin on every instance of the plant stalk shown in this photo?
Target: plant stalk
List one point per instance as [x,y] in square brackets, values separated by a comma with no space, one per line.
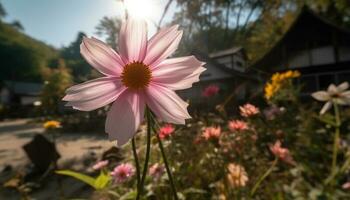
[336,140]
[263,177]
[138,176]
[148,150]
[167,167]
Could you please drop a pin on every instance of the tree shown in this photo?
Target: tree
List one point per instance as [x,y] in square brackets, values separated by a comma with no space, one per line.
[108,27]
[57,81]
[74,61]
[2,12]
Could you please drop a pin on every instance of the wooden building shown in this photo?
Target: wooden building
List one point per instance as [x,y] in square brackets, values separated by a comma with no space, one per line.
[319,49]
[225,69]
[19,94]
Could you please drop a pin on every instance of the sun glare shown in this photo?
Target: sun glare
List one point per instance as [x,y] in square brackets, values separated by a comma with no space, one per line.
[141,9]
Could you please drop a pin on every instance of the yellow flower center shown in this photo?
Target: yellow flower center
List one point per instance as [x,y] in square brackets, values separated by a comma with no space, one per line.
[136,75]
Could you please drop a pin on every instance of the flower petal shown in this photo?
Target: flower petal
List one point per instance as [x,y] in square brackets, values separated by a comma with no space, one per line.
[326,107]
[162,45]
[342,101]
[166,104]
[133,40]
[101,57]
[342,87]
[346,94]
[332,89]
[321,96]
[125,117]
[94,94]
[178,73]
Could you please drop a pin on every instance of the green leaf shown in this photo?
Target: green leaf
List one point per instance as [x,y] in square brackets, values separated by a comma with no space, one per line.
[82,177]
[102,180]
[129,196]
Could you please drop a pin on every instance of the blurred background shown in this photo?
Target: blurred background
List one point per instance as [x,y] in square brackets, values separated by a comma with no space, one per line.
[243,43]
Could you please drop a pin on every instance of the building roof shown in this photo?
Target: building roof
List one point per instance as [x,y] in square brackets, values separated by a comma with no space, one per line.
[24,88]
[204,57]
[307,24]
[226,52]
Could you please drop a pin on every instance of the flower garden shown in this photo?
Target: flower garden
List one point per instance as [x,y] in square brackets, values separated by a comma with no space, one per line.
[278,148]
[267,138]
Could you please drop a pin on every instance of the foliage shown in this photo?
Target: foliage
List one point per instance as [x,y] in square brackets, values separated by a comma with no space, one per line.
[35,56]
[71,54]
[109,27]
[247,23]
[98,183]
[57,80]
[238,162]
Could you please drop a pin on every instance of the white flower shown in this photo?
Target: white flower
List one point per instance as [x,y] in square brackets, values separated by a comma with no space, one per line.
[334,94]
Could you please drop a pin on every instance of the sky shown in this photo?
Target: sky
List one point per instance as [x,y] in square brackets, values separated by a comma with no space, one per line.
[57,22]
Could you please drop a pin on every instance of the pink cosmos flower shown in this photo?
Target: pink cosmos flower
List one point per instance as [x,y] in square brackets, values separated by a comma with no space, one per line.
[248,110]
[99,165]
[211,132]
[237,125]
[123,172]
[166,131]
[136,76]
[211,90]
[156,171]
[346,186]
[282,153]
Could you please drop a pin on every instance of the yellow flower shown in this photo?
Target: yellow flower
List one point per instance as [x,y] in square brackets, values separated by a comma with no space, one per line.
[52,124]
[276,77]
[296,74]
[277,81]
[237,176]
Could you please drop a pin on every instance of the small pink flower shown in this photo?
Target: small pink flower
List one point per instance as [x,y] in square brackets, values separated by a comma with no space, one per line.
[210,91]
[123,172]
[282,153]
[237,125]
[99,165]
[271,112]
[166,131]
[211,132]
[137,76]
[248,110]
[346,186]
[156,171]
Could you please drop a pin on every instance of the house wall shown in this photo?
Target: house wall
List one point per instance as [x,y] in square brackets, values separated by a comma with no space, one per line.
[233,61]
[5,96]
[213,73]
[316,56]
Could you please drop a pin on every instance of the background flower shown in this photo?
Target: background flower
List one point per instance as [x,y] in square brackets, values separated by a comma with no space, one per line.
[237,176]
[337,94]
[282,153]
[210,91]
[156,170]
[248,110]
[211,132]
[237,125]
[166,130]
[123,172]
[99,165]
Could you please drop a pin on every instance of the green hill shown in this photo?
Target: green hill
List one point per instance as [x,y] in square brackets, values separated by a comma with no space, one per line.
[22,58]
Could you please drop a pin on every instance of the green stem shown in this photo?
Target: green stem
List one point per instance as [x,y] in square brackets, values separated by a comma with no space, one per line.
[133,143]
[167,167]
[336,140]
[148,149]
[267,173]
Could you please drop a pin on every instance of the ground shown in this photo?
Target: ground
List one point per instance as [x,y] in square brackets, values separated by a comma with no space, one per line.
[73,148]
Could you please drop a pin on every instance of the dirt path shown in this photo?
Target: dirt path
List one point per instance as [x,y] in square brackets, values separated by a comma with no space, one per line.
[14,134]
